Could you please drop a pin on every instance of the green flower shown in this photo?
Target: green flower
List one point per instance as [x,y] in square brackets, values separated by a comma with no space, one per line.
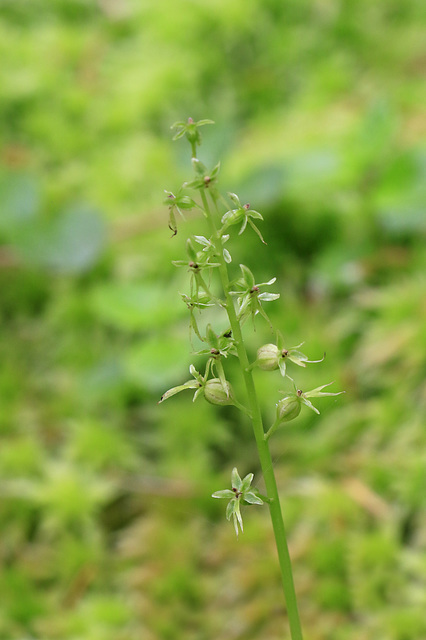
[290,405]
[242,214]
[210,249]
[214,390]
[241,492]
[204,179]
[271,357]
[250,298]
[218,347]
[201,301]
[176,204]
[197,262]
[190,129]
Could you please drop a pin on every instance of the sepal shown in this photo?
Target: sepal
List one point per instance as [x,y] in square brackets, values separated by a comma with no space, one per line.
[241,493]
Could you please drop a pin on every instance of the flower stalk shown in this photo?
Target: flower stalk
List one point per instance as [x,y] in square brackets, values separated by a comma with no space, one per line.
[247,300]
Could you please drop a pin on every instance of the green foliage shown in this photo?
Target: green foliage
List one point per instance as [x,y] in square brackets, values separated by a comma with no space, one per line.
[320,126]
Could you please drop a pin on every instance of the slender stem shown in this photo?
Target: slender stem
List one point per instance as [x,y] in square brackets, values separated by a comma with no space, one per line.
[262,444]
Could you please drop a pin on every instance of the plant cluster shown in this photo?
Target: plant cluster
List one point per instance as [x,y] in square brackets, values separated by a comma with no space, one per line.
[242,298]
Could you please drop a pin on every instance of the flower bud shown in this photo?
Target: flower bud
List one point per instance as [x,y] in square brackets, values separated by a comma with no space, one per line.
[216,393]
[288,408]
[268,357]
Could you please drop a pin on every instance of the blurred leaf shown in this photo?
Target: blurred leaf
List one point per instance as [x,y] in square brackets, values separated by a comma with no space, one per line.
[71,242]
[19,201]
[157,362]
[134,306]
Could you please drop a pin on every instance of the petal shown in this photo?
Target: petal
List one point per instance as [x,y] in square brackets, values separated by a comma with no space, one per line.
[235,199]
[225,493]
[227,256]
[215,171]
[238,514]
[256,230]
[316,393]
[254,214]
[309,404]
[230,508]
[197,393]
[235,524]
[193,371]
[243,226]
[268,297]
[200,123]
[235,479]
[191,384]
[202,240]
[245,484]
[282,365]
[248,276]
[252,498]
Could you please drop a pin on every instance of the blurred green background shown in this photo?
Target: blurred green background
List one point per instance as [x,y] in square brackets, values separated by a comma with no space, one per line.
[108,530]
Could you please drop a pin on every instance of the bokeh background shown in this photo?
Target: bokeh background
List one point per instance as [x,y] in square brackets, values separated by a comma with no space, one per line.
[108,530]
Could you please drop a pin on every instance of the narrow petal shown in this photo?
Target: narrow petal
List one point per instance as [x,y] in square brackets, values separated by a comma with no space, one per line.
[238,514]
[225,493]
[227,256]
[309,404]
[252,498]
[197,393]
[256,230]
[230,509]
[235,524]
[254,214]
[268,297]
[245,484]
[200,123]
[243,226]
[235,479]
[282,365]
[202,240]
[191,384]
[314,392]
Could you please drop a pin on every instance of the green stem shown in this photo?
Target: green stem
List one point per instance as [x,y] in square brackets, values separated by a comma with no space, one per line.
[262,444]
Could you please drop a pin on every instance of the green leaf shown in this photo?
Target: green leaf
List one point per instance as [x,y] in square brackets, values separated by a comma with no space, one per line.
[133,306]
[70,242]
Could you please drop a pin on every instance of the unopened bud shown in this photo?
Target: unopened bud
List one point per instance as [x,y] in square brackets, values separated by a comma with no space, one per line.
[216,393]
[268,357]
[288,408]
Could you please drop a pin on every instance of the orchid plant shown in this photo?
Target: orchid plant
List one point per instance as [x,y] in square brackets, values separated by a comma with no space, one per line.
[241,298]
